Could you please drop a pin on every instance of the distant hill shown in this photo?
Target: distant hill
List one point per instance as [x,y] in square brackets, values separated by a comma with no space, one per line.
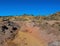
[55,16]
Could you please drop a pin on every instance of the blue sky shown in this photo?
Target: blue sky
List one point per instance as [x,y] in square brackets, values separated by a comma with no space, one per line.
[36,7]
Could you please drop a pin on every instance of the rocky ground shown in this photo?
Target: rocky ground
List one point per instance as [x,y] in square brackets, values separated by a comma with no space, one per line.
[25,31]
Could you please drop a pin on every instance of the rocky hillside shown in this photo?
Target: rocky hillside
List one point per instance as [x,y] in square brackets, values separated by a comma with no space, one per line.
[55,16]
[30,30]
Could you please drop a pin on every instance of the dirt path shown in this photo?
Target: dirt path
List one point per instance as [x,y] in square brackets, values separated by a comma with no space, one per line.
[25,39]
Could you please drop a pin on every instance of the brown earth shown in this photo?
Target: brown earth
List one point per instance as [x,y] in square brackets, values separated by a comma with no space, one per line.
[33,35]
[29,32]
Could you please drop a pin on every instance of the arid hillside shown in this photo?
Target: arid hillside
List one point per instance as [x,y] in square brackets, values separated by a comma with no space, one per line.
[30,30]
